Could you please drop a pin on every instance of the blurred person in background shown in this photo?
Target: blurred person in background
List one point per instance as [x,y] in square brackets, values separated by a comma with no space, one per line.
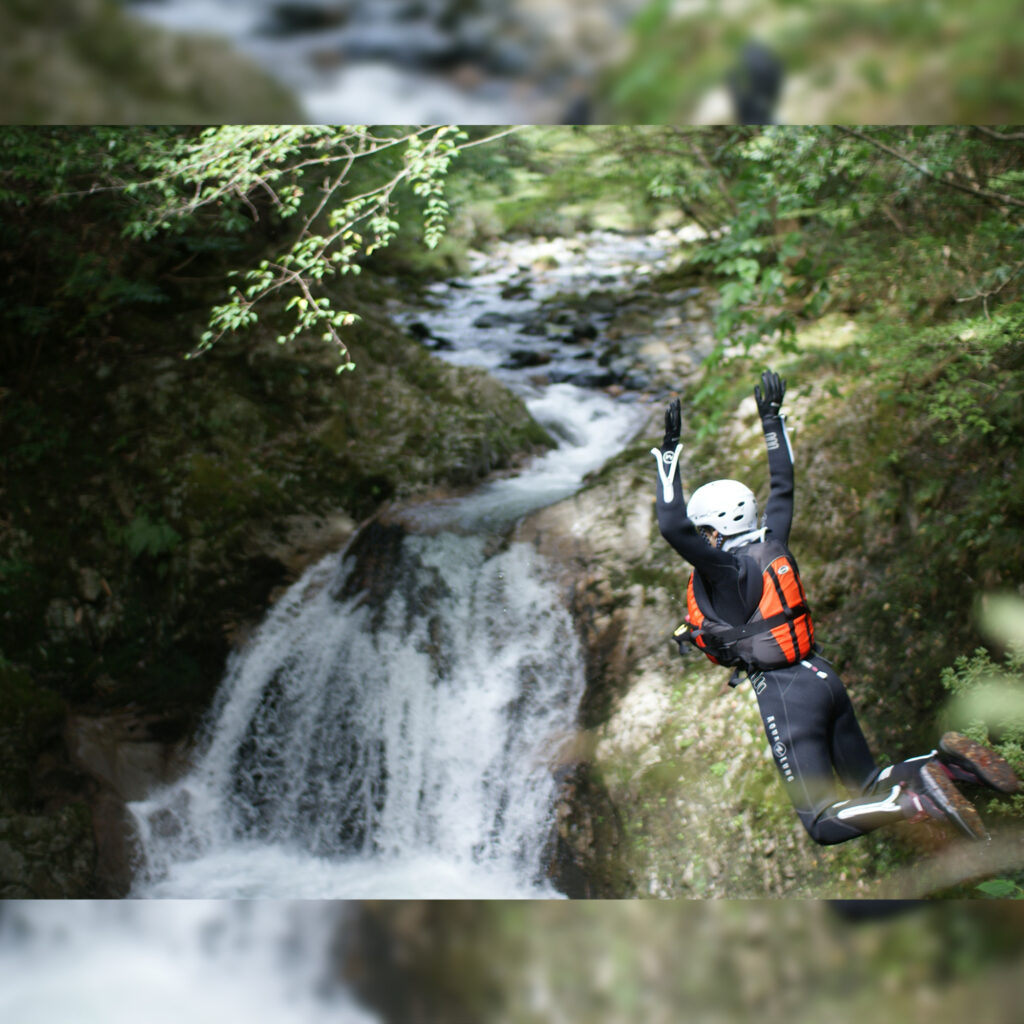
[509,62]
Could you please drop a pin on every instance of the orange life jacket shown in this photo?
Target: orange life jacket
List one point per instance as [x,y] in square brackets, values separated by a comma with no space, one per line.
[780,631]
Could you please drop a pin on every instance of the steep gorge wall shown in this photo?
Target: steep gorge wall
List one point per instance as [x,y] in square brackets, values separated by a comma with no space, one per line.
[157,506]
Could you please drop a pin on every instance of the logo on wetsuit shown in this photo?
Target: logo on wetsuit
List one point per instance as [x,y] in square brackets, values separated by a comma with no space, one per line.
[779,749]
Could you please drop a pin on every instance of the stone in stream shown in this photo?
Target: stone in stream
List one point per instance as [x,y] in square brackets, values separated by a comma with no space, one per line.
[295,17]
[422,333]
[419,330]
[496,319]
[520,358]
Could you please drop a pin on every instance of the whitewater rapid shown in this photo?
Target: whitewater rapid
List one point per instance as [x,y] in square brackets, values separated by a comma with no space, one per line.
[396,726]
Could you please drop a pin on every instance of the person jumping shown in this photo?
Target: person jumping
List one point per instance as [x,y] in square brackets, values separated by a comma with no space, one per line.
[746,608]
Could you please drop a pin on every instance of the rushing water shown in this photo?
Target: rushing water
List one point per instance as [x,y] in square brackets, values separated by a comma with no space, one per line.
[395,726]
[168,962]
[417,61]
[398,747]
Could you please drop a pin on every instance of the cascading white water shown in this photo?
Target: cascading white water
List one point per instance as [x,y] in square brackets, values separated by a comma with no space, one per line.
[422,62]
[171,962]
[400,748]
[394,727]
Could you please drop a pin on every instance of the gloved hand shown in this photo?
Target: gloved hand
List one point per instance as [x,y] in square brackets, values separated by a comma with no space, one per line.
[673,425]
[769,402]
[667,456]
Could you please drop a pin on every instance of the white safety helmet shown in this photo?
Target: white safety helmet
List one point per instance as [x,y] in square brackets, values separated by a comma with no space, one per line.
[725,505]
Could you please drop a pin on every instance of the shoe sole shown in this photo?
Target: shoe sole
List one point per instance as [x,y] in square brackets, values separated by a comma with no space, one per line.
[992,769]
[960,811]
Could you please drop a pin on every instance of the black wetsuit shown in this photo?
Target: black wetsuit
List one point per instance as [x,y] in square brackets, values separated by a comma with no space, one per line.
[808,718]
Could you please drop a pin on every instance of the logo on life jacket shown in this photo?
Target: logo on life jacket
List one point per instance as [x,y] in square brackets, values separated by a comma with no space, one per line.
[779,632]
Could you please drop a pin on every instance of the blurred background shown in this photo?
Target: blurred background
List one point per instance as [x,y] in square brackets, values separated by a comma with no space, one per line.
[508,963]
[511,61]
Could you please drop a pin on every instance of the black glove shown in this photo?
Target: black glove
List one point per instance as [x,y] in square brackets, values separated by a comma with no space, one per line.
[769,403]
[673,424]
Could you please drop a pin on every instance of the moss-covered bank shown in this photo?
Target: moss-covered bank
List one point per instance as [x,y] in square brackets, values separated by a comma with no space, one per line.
[908,510]
[88,62]
[155,506]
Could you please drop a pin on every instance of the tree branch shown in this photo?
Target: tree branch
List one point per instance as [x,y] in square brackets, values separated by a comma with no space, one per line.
[979,193]
[1001,136]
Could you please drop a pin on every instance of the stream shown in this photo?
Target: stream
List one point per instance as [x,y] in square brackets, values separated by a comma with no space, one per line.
[167,962]
[418,61]
[395,727]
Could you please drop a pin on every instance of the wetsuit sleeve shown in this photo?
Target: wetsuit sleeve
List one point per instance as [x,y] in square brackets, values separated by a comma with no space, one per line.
[779,509]
[679,531]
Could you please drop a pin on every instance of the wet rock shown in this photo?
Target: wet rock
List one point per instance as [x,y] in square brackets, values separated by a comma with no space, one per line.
[586,860]
[296,17]
[496,319]
[597,377]
[126,761]
[419,330]
[119,753]
[603,302]
[637,382]
[90,585]
[48,856]
[423,334]
[299,540]
[581,332]
[62,620]
[520,358]
[517,289]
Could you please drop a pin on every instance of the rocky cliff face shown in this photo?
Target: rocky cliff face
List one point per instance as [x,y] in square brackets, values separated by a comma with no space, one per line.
[674,793]
[157,506]
[191,493]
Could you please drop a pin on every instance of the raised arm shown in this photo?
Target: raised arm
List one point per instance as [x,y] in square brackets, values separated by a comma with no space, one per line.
[670,503]
[778,510]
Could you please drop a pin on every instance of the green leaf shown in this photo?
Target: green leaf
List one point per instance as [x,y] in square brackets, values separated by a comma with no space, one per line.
[1001,889]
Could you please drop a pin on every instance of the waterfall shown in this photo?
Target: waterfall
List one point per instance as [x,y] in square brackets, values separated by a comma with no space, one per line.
[395,727]
[172,961]
[395,740]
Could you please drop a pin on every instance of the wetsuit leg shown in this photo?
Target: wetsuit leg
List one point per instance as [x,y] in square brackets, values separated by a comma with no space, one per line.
[814,736]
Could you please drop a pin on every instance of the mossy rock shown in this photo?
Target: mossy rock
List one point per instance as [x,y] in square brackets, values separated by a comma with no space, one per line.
[47,856]
[30,719]
[88,62]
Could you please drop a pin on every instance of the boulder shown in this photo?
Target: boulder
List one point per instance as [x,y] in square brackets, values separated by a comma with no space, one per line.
[91,62]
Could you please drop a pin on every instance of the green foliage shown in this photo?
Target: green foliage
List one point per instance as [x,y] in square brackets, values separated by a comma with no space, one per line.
[958,376]
[145,537]
[297,206]
[30,718]
[854,61]
[1001,889]
[989,703]
[305,173]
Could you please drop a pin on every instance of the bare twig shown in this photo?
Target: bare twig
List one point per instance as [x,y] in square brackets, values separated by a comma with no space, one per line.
[986,295]
[1001,136]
